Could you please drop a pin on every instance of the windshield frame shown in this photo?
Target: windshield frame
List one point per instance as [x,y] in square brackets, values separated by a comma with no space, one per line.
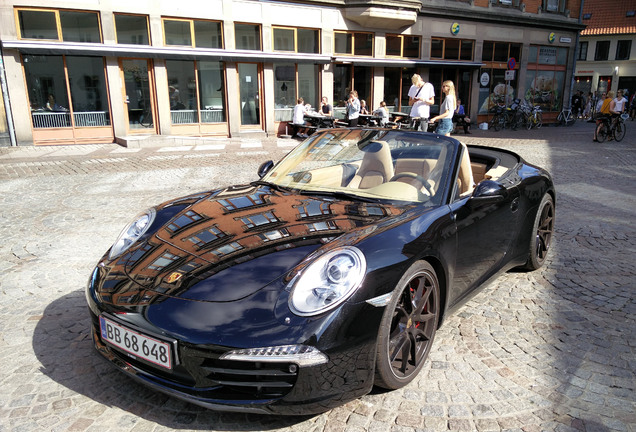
[328,161]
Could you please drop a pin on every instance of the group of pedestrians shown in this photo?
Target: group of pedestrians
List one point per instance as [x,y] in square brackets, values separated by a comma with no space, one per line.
[421,97]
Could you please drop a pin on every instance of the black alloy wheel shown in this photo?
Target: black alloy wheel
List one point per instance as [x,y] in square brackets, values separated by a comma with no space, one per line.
[542,231]
[408,327]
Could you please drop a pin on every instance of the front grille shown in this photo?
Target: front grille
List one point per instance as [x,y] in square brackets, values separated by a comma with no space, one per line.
[259,380]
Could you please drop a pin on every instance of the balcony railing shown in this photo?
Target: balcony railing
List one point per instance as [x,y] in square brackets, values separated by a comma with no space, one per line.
[42,120]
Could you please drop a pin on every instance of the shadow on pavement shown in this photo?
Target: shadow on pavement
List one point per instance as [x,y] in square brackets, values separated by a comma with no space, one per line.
[62,344]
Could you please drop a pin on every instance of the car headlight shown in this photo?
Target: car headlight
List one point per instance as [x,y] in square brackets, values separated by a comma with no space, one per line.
[328,281]
[132,232]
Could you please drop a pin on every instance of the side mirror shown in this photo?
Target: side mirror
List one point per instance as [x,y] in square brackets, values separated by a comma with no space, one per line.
[264,168]
[488,192]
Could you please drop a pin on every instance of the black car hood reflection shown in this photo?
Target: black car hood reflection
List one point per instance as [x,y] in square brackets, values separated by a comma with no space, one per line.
[231,243]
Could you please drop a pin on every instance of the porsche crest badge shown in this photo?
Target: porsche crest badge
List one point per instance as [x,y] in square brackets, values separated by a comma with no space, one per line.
[173,277]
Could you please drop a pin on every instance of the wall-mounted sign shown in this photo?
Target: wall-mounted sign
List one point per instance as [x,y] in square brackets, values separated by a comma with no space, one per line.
[455,28]
[564,39]
[512,63]
[484,79]
[551,37]
[509,75]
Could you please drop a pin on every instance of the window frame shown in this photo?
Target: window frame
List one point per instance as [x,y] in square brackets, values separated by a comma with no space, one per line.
[401,37]
[260,35]
[58,22]
[459,55]
[580,55]
[620,42]
[597,57]
[353,43]
[295,30]
[193,36]
[115,14]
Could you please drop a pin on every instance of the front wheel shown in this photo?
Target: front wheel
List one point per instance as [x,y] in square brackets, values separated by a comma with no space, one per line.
[619,131]
[408,327]
[541,235]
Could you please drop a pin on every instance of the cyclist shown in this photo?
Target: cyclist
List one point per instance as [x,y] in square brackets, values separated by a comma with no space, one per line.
[617,107]
[603,113]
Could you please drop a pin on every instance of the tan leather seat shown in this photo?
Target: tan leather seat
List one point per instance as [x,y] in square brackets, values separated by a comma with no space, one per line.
[465,177]
[376,167]
[420,167]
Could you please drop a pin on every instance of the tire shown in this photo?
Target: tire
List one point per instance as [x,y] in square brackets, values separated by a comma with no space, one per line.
[619,131]
[570,119]
[539,120]
[602,132]
[559,119]
[541,235]
[408,327]
[529,122]
[498,121]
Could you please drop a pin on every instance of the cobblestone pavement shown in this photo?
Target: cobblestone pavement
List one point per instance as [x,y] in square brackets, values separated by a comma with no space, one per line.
[551,350]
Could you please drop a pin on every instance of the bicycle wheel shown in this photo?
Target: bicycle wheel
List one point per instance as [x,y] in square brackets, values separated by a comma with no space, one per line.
[497,123]
[569,119]
[602,132]
[529,121]
[619,131]
[539,120]
[145,119]
[559,119]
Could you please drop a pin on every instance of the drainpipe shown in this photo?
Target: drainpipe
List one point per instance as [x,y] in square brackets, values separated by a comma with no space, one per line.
[7,105]
[576,55]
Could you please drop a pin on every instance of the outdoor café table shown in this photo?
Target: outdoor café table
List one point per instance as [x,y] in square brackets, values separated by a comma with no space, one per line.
[320,121]
[403,119]
[369,120]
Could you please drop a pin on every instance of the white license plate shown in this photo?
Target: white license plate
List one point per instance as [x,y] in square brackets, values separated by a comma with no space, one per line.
[135,343]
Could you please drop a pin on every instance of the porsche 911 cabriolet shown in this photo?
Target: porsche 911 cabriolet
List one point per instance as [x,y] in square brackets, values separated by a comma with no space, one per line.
[328,275]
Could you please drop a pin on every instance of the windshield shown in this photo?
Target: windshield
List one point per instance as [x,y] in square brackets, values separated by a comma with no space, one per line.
[390,165]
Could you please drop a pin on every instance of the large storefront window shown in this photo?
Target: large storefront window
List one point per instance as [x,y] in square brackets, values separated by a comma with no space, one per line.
[494,88]
[49,98]
[347,78]
[397,82]
[186,90]
[545,78]
[290,82]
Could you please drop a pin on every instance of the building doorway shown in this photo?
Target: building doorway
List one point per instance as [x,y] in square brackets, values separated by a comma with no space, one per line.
[250,93]
[139,95]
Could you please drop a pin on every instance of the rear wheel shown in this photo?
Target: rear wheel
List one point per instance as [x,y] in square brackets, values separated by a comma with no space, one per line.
[408,327]
[602,132]
[619,131]
[541,236]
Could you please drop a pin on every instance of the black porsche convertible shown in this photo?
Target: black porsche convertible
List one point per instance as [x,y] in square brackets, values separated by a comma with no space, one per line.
[328,275]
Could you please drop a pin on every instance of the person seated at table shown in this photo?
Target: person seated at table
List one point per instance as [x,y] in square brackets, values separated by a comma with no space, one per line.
[51,105]
[460,117]
[325,107]
[363,107]
[383,113]
[298,120]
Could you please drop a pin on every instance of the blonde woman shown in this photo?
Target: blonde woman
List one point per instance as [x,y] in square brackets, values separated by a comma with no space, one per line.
[446,109]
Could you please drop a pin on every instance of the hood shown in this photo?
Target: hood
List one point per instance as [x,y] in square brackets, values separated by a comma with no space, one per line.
[228,244]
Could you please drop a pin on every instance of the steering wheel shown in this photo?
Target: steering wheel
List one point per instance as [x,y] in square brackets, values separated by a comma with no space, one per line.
[414,176]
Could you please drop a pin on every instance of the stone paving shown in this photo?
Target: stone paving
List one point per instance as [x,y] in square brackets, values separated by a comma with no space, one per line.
[551,350]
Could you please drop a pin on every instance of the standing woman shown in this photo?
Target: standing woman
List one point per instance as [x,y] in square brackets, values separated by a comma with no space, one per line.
[353,108]
[446,109]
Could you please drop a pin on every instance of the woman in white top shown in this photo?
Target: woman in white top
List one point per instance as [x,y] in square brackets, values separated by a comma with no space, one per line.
[446,109]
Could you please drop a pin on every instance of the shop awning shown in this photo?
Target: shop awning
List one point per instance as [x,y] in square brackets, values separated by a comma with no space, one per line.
[144,51]
[400,62]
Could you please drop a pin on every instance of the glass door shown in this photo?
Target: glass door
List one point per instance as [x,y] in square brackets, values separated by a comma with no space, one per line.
[250,91]
[139,95]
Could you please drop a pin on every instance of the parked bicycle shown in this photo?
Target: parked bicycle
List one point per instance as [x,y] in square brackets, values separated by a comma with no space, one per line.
[566,117]
[613,127]
[535,118]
